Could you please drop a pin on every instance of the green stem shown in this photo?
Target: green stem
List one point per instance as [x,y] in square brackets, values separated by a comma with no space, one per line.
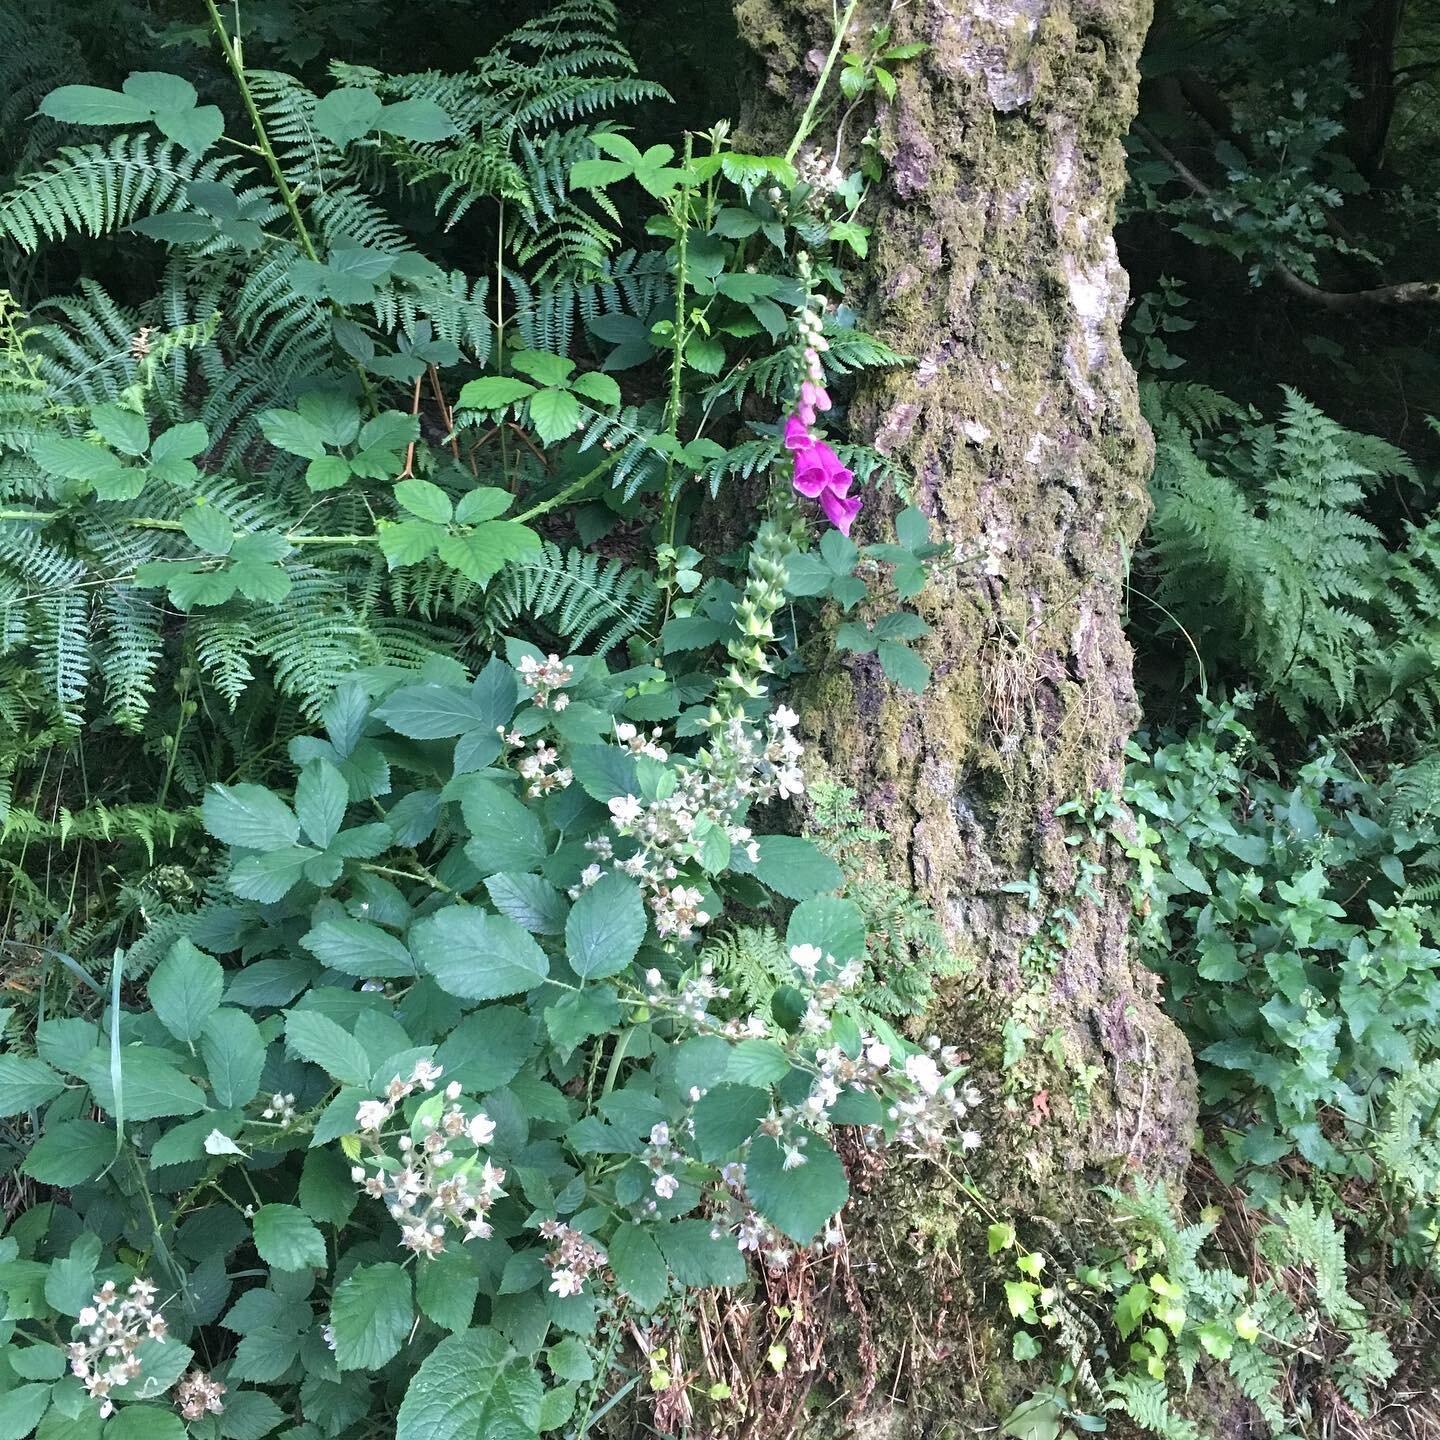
[232,54]
[807,120]
[568,493]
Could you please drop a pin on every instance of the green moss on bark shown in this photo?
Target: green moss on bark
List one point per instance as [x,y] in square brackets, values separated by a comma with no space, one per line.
[992,262]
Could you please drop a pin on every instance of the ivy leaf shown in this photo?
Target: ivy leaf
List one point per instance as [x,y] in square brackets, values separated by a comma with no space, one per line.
[92,105]
[345,115]
[417,119]
[371,1313]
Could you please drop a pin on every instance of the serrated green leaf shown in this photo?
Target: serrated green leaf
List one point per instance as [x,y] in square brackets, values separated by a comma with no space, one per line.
[371,1315]
[605,928]
[287,1238]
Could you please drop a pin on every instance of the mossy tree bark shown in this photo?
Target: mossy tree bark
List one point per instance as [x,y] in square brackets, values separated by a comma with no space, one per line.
[992,262]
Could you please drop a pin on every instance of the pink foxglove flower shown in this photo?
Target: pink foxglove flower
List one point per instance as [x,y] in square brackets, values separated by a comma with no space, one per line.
[819,473]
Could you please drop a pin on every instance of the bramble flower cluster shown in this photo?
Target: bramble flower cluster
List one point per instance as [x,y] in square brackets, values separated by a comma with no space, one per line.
[197,1395]
[819,472]
[428,1188]
[927,1117]
[104,1359]
[741,767]
[546,678]
[542,770]
[819,171]
[573,1259]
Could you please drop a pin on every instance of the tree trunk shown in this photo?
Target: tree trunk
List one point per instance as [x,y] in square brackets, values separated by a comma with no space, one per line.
[992,263]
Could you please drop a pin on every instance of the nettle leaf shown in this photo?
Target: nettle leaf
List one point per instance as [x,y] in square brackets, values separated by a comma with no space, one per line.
[371,1314]
[249,816]
[470,1385]
[287,1238]
[605,928]
[800,1201]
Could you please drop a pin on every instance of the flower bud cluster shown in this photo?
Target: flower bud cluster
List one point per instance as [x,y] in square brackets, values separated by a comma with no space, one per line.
[764,594]
[281,1107]
[114,1328]
[197,1395]
[546,678]
[573,1260]
[439,1184]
